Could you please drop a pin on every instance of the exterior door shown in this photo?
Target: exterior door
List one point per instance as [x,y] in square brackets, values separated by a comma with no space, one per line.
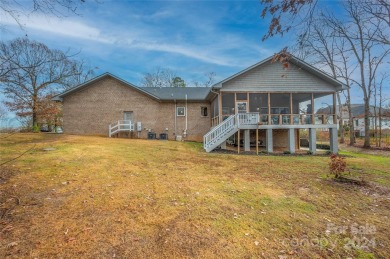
[242,107]
[128,116]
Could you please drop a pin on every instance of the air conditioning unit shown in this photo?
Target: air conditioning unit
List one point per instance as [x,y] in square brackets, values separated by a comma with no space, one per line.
[151,135]
[179,138]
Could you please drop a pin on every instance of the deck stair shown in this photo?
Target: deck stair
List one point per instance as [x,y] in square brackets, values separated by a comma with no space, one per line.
[219,134]
[120,126]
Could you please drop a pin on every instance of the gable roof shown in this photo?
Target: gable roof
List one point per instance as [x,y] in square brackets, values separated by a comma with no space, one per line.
[294,60]
[358,110]
[157,93]
[79,87]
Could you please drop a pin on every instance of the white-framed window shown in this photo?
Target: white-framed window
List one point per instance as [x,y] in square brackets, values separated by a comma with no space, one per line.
[204,111]
[181,111]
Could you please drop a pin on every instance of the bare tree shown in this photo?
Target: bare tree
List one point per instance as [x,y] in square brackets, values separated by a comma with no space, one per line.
[320,44]
[161,77]
[59,8]
[289,14]
[3,111]
[360,31]
[383,78]
[29,71]
[286,14]
[346,69]
[380,10]
[208,82]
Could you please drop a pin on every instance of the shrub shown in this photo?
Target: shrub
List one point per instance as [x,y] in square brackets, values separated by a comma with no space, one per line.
[286,152]
[337,166]
[309,152]
[323,146]
[35,129]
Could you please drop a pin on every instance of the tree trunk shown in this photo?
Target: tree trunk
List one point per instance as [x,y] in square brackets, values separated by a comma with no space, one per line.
[350,121]
[366,123]
[34,112]
[380,113]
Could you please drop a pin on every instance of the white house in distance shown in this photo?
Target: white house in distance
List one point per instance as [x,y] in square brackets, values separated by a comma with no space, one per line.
[358,117]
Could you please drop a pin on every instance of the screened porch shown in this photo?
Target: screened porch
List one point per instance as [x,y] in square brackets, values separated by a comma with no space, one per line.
[276,108]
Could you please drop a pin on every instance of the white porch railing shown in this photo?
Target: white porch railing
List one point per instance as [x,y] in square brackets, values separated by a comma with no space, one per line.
[248,118]
[121,125]
[220,133]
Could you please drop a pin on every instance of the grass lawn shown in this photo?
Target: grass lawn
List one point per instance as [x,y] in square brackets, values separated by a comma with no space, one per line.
[100,197]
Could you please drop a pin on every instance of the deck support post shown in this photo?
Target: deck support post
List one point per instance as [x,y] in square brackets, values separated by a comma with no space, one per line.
[312,141]
[257,140]
[269,141]
[247,144]
[291,140]
[238,141]
[333,140]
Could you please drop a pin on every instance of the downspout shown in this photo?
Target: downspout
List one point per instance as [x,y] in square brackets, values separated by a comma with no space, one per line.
[185,130]
[174,113]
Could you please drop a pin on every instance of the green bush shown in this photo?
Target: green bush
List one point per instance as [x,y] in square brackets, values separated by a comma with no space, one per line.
[35,129]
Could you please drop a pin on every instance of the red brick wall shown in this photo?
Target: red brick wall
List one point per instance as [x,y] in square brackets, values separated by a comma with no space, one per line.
[92,109]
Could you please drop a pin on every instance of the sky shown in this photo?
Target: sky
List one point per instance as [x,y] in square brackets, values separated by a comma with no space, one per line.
[130,38]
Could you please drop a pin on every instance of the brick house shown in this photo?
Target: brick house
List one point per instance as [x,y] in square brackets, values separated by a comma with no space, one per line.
[266,105]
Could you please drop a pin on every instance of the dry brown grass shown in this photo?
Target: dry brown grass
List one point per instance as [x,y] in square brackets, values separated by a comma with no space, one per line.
[99,197]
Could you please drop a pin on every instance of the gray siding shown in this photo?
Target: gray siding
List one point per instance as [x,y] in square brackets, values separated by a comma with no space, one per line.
[273,77]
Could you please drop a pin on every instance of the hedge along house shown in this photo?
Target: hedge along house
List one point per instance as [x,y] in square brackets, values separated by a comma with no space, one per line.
[264,105]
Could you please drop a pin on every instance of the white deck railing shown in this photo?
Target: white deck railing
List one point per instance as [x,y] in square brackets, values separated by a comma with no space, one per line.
[219,133]
[249,118]
[121,125]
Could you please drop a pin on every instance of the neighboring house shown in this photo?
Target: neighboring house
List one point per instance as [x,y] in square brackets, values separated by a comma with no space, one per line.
[266,104]
[358,117]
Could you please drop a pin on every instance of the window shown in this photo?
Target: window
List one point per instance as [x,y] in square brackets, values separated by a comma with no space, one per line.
[203,111]
[181,111]
[357,122]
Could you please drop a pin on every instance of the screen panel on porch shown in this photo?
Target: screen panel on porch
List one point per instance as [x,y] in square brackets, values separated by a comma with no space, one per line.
[280,108]
[228,104]
[258,102]
[302,108]
[323,108]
